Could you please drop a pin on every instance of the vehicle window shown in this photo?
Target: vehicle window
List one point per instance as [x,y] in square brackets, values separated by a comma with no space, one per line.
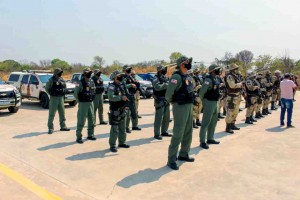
[45,78]
[142,76]
[137,77]
[14,77]
[25,79]
[75,77]
[105,78]
[33,79]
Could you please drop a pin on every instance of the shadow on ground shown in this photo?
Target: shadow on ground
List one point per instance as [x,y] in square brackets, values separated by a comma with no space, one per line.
[56,146]
[149,114]
[27,135]
[276,129]
[143,141]
[144,176]
[146,125]
[91,155]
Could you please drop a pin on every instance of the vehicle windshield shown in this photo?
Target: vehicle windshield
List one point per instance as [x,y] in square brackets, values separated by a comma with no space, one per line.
[1,82]
[45,78]
[104,77]
[151,74]
[137,77]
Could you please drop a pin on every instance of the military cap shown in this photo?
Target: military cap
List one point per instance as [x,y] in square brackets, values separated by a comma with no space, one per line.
[233,66]
[277,72]
[267,71]
[115,74]
[126,67]
[212,67]
[96,71]
[57,71]
[86,70]
[182,59]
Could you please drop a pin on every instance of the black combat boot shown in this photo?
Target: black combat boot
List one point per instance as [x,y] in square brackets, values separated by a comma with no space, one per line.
[234,127]
[228,128]
[259,113]
[273,105]
[220,116]
[198,123]
[257,116]
[252,119]
[267,111]
[194,124]
[248,121]
[279,103]
[264,112]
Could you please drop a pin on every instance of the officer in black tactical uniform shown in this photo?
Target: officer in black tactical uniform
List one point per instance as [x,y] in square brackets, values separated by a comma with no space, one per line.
[85,94]
[131,88]
[56,87]
[98,101]
[162,107]
[118,106]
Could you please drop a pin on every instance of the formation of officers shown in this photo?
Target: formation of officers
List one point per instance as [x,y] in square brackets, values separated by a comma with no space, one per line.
[217,93]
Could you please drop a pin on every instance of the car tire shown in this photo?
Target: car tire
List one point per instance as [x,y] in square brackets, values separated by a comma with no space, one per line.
[13,109]
[44,101]
[73,103]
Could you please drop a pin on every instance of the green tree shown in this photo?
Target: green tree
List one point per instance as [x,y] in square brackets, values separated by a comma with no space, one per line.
[98,62]
[57,63]
[10,65]
[174,56]
[245,57]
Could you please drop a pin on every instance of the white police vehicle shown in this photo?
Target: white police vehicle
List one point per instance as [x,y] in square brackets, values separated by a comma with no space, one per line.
[10,97]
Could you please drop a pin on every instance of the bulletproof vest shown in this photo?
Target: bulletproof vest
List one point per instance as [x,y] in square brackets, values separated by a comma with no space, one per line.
[254,92]
[119,91]
[269,80]
[236,80]
[162,79]
[185,94]
[98,84]
[130,80]
[58,88]
[87,94]
[213,94]
[277,83]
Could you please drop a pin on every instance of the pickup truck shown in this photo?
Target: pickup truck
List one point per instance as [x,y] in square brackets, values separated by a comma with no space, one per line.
[10,97]
[31,85]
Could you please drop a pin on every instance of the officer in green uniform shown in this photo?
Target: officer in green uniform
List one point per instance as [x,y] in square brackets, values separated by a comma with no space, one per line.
[180,93]
[162,107]
[131,89]
[118,107]
[98,101]
[56,87]
[210,94]
[85,94]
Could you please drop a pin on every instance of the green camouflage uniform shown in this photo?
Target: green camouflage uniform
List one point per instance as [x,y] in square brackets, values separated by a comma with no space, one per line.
[98,101]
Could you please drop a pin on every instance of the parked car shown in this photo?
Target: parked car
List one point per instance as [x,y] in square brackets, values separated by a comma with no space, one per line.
[77,76]
[10,97]
[148,76]
[31,85]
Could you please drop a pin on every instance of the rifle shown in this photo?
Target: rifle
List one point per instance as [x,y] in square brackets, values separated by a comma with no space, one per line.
[138,85]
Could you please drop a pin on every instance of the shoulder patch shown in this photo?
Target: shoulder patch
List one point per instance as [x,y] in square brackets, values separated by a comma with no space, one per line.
[206,82]
[174,81]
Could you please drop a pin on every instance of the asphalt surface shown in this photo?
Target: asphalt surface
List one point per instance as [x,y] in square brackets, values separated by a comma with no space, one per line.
[260,161]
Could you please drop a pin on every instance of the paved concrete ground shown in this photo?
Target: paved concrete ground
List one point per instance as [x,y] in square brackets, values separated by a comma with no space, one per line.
[260,161]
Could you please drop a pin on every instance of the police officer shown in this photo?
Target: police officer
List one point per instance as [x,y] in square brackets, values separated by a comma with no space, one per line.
[267,81]
[261,90]
[197,83]
[276,89]
[85,94]
[210,94]
[131,89]
[118,106]
[252,90]
[137,96]
[180,93]
[234,87]
[98,101]
[162,107]
[56,87]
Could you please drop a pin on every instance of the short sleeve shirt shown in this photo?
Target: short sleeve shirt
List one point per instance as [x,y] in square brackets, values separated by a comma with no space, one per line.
[286,88]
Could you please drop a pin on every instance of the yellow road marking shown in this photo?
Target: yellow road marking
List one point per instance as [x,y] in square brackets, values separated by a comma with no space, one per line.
[41,192]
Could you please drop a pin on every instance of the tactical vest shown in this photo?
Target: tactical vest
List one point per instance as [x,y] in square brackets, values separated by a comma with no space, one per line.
[98,84]
[119,91]
[254,92]
[160,93]
[214,93]
[58,88]
[130,80]
[185,94]
[232,90]
[269,80]
[87,94]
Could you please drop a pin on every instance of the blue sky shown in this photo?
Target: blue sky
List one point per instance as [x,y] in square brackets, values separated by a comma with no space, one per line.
[134,30]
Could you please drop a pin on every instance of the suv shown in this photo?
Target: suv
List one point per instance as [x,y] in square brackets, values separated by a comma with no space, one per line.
[148,76]
[77,76]
[31,85]
[10,97]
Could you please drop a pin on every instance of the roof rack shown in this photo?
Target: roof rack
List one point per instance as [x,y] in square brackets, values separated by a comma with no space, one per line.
[37,71]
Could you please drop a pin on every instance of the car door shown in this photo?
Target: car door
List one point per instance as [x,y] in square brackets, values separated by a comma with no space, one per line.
[34,85]
[24,87]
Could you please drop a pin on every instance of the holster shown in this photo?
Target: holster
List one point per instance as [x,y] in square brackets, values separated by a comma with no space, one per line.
[115,116]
